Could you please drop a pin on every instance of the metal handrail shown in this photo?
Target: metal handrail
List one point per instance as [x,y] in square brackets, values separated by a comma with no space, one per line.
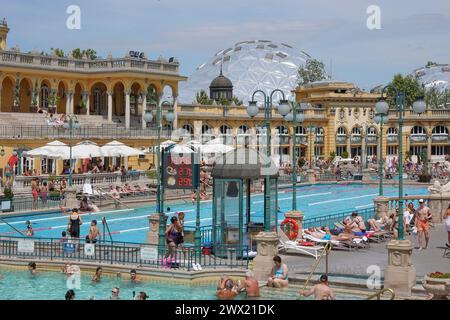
[380,293]
[326,251]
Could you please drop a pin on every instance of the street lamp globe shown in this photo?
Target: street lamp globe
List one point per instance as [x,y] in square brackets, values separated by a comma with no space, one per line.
[148,116]
[170,116]
[289,117]
[76,125]
[252,109]
[284,108]
[382,106]
[419,106]
[66,125]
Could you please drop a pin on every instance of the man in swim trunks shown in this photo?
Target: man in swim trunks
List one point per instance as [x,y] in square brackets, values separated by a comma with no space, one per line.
[226,290]
[251,285]
[423,217]
[321,291]
[133,276]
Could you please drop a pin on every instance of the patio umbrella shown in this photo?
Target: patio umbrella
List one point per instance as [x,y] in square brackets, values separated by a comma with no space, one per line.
[86,150]
[52,150]
[118,149]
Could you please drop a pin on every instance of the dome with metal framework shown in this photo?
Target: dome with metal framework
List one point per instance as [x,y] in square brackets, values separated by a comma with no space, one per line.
[250,66]
[437,76]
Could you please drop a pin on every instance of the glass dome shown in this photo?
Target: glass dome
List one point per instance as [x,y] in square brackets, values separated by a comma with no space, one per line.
[437,76]
[250,65]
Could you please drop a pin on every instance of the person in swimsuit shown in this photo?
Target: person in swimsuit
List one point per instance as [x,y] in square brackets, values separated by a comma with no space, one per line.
[227,290]
[133,276]
[75,223]
[279,274]
[250,286]
[172,236]
[32,268]
[44,194]
[321,291]
[358,221]
[98,275]
[447,225]
[423,218]
[94,232]
[30,232]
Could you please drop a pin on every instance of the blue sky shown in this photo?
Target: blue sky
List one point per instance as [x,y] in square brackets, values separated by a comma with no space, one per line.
[412,32]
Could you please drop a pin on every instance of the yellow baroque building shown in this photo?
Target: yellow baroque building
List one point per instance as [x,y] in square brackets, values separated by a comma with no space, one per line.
[109,97]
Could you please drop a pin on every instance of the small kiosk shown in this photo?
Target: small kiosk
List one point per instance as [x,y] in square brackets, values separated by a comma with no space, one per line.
[236,177]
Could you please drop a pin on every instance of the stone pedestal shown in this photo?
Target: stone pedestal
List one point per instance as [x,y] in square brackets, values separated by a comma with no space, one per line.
[381,205]
[366,176]
[267,249]
[438,206]
[298,217]
[311,174]
[71,198]
[153,233]
[400,274]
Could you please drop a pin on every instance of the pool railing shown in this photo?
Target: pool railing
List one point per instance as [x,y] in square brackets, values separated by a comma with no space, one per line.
[123,253]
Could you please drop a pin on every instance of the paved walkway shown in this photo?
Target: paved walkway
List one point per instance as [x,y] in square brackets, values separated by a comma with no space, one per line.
[356,262]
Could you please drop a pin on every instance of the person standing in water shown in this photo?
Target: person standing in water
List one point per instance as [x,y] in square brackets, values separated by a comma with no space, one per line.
[321,291]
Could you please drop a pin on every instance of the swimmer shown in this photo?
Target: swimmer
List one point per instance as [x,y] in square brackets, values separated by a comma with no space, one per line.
[115,294]
[98,275]
[227,290]
[251,285]
[321,291]
[70,295]
[32,268]
[133,276]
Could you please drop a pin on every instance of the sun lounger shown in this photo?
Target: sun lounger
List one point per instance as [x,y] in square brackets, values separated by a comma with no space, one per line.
[347,245]
[288,246]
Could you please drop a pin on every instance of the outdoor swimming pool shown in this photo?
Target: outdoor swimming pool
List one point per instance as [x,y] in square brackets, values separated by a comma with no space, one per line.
[20,285]
[132,225]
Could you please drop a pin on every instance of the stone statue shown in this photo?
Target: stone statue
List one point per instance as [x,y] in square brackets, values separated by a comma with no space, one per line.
[437,188]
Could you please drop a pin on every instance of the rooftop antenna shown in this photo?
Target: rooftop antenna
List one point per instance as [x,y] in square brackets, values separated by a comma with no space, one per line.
[221,66]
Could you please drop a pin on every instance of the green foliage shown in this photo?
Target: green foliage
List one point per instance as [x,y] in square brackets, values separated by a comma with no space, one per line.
[152,95]
[345,155]
[437,99]
[237,101]
[332,156]
[89,53]
[430,64]
[35,94]
[53,100]
[9,194]
[312,71]
[17,92]
[58,52]
[301,162]
[405,84]
[203,98]
[152,174]
[439,275]
[52,178]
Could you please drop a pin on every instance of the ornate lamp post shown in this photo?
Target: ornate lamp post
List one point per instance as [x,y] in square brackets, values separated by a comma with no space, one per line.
[381,118]
[295,118]
[148,117]
[71,123]
[253,110]
[382,107]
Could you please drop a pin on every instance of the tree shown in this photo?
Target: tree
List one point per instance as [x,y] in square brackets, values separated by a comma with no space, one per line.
[90,54]
[237,101]
[152,95]
[77,53]
[408,85]
[203,98]
[58,52]
[430,64]
[312,71]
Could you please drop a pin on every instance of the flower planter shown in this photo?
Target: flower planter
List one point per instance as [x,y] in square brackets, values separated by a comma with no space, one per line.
[440,288]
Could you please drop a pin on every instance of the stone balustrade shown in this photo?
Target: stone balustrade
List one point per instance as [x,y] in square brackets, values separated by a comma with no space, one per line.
[35,60]
[100,180]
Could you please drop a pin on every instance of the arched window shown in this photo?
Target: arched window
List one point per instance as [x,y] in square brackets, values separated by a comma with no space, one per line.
[440,130]
[341,131]
[188,129]
[45,92]
[98,101]
[224,129]
[206,129]
[372,131]
[301,131]
[282,130]
[392,131]
[418,130]
[356,131]
[319,131]
[243,130]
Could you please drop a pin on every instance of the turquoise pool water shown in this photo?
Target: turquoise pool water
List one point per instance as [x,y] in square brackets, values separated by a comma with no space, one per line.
[132,226]
[20,285]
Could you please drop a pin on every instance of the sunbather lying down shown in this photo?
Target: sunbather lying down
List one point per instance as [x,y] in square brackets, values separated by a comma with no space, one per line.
[328,236]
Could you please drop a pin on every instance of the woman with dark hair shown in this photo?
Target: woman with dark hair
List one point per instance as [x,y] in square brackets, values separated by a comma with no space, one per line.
[173,236]
[70,295]
[279,275]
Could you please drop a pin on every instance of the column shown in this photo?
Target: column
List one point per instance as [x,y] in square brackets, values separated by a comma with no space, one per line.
[400,274]
[1,89]
[88,103]
[363,149]
[127,109]
[152,235]
[70,96]
[429,140]
[110,106]
[144,108]
[349,146]
[68,103]
[175,111]
[267,248]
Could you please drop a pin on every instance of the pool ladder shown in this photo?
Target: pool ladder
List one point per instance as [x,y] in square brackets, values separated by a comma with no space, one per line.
[380,293]
[325,252]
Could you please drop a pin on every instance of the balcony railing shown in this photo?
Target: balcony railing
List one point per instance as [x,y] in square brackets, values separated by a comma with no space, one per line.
[32,60]
[372,139]
[284,140]
[341,139]
[418,138]
[47,132]
[440,137]
[392,138]
[302,139]
[356,139]
[319,140]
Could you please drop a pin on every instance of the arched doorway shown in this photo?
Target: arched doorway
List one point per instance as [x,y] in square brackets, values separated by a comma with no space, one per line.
[7,95]
[62,98]
[119,100]
[25,95]
[99,99]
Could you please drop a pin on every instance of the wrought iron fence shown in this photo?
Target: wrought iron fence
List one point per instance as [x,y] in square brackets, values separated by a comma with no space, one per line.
[29,204]
[124,253]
